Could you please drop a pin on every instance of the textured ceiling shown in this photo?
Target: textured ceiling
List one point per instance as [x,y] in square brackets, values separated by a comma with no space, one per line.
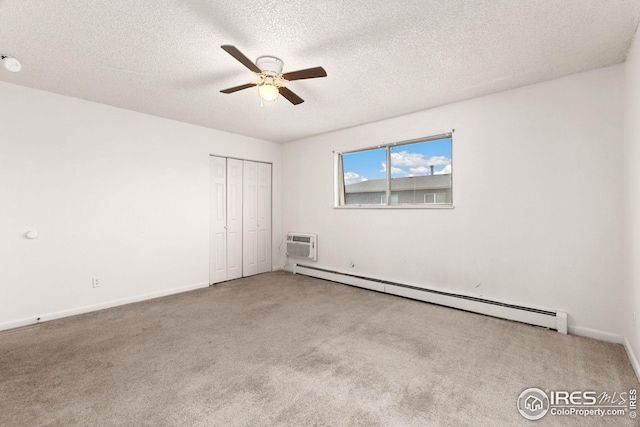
[383,59]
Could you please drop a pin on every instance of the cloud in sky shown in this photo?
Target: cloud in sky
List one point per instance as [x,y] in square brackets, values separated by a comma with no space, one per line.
[423,170]
[416,160]
[418,164]
[394,171]
[352,178]
[446,169]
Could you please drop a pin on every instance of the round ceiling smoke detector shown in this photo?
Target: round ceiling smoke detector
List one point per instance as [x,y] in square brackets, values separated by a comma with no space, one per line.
[11,64]
[270,64]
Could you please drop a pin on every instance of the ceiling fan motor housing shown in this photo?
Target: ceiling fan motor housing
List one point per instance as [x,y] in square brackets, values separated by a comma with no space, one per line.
[270,65]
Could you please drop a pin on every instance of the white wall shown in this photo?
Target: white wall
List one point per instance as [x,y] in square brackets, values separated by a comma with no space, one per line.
[537,194]
[113,193]
[632,201]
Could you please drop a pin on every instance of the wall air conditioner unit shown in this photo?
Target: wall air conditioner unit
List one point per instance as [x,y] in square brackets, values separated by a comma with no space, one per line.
[300,245]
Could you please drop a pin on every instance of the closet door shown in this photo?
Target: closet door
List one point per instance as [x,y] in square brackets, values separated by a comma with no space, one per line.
[234,219]
[264,217]
[218,220]
[250,219]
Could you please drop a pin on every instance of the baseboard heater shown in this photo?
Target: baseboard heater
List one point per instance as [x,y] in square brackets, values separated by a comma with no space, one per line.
[546,318]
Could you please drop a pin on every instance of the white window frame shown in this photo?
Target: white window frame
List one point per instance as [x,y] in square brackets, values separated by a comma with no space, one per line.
[339,195]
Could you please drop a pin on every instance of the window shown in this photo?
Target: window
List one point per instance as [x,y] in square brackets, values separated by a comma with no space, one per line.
[430,198]
[413,173]
[434,198]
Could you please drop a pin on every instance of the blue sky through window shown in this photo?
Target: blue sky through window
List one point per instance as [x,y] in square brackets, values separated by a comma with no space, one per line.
[406,160]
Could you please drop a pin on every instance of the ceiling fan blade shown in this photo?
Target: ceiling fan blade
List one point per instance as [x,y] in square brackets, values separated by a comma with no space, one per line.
[290,96]
[237,88]
[233,51]
[309,73]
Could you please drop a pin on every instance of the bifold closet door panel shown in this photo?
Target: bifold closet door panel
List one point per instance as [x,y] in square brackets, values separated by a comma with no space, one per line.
[218,220]
[250,218]
[264,217]
[234,218]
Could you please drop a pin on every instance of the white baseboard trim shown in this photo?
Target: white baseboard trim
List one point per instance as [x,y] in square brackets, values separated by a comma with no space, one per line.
[596,334]
[95,307]
[632,357]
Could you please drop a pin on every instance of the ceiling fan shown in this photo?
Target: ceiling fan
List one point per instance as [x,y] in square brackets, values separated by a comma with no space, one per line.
[271,79]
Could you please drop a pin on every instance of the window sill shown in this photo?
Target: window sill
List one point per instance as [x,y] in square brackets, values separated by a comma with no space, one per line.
[435,206]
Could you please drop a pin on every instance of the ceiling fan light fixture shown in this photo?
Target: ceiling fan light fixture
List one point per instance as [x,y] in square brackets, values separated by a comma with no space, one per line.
[268,90]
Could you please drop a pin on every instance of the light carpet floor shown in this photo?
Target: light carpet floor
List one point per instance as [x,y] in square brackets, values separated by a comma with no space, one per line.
[288,350]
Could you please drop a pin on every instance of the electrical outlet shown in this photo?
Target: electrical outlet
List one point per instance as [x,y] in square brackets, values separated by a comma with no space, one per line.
[97,282]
